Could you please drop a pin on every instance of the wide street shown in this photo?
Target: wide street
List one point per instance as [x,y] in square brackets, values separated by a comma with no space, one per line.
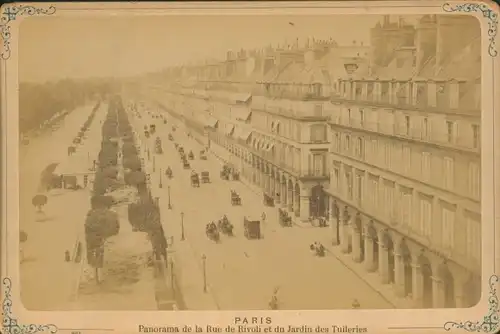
[241,273]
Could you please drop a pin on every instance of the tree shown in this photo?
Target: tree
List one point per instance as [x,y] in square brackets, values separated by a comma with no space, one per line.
[100,224]
[39,201]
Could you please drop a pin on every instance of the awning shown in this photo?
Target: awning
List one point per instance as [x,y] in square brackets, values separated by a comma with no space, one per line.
[275,125]
[211,122]
[244,134]
[242,97]
[269,146]
[229,128]
[241,113]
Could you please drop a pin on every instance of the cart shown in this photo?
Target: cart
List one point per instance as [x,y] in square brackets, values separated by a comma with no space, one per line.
[205,177]
[252,228]
[195,180]
[235,198]
[186,165]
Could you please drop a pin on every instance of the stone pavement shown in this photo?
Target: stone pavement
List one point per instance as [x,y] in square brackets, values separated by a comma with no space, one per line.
[188,273]
[373,279]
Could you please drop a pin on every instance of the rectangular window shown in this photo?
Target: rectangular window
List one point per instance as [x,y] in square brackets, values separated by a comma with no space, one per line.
[474,180]
[318,133]
[476,137]
[426,166]
[407,125]
[361,117]
[318,164]
[336,178]
[347,144]
[337,142]
[406,209]
[425,128]
[388,155]
[374,193]
[449,173]
[448,237]
[359,148]
[450,133]
[406,159]
[359,192]
[349,184]
[473,245]
[425,226]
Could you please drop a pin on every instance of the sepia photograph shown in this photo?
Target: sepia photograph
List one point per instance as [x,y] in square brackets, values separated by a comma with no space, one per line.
[245,162]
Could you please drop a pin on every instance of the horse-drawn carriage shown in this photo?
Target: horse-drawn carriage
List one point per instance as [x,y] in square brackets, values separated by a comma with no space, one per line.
[186,164]
[203,155]
[252,228]
[235,198]
[212,232]
[152,129]
[195,179]
[235,175]
[268,200]
[158,147]
[171,138]
[181,150]
[284,219]
[146,133]
[205,177]
[225,226]
[190,155]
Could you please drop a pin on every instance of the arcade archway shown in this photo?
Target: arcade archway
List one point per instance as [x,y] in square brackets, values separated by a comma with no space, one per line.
[426,272]
[317,203]
[448,285]
[389,244]
[372,233]
[407,268]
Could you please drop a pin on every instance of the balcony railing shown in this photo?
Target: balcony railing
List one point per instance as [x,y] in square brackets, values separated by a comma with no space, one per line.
[399,130]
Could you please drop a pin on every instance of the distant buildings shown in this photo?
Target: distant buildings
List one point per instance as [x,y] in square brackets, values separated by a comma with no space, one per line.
[384,140]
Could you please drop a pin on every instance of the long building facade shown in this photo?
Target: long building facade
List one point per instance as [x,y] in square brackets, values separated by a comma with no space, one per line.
[388,153]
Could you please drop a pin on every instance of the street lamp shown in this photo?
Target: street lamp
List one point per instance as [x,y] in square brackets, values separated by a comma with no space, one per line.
[160,185]
[169,204]
[182,226]
[204,263]
[154,163]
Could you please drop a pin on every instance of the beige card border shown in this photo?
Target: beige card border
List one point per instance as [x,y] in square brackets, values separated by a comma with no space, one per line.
[476,319]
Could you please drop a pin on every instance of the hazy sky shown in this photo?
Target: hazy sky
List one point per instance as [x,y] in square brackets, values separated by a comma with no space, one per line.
[57,47]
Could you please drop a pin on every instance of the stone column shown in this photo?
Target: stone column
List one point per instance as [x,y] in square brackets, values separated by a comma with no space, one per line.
[417,285]
[437,292]
[459,291]
[344,238]
[370,266]
[291,199]
[333,221]
[383,260]
[277,189]
[284,194]
[399,274]
[356,244]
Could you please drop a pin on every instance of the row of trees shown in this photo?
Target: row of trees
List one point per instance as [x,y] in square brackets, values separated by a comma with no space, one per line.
[101,222]
[143,215]
[41,102]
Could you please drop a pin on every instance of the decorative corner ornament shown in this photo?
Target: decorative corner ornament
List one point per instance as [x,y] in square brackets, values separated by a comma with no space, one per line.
[490,322]
[10,13]
[488,13]
[10,324]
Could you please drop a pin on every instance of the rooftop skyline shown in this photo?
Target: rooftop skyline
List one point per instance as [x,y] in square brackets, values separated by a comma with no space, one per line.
[126,46]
